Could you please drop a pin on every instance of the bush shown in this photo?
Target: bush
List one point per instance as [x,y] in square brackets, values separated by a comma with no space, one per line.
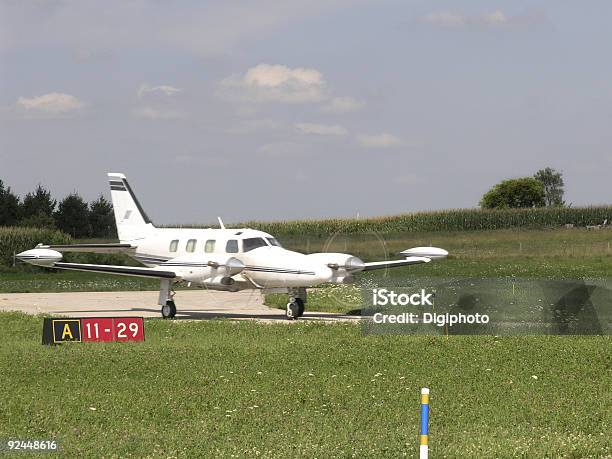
[17,239]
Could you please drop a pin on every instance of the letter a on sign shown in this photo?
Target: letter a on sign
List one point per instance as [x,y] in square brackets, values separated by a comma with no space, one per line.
[66,330]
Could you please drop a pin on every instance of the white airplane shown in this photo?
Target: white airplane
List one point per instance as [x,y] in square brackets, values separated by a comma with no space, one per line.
[217,259]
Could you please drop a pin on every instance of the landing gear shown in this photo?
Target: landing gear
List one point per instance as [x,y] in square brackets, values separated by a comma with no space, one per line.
[292,310]
[297,301]
[168,308]
[300,303]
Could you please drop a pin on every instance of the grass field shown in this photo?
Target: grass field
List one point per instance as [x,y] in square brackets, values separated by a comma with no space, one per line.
[307,390]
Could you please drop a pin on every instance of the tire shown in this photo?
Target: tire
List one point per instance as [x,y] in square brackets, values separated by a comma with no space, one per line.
[168,310]
[300,303]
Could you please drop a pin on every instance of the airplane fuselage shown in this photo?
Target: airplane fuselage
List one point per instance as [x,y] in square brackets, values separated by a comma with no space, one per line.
[266,263]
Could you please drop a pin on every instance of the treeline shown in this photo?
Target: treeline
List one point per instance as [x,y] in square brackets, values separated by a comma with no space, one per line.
[72,215]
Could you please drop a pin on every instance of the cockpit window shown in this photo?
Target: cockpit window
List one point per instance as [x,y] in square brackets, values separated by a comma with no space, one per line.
[252,243]
[273,241]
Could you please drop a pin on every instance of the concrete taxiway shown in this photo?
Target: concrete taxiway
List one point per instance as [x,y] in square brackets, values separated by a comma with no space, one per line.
[190,304]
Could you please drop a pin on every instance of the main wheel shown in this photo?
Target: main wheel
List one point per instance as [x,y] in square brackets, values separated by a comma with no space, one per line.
[168,310]
[300,303]
[292,311]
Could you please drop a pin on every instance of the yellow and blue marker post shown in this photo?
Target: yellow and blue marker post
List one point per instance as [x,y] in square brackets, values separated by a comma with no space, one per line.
[424,436]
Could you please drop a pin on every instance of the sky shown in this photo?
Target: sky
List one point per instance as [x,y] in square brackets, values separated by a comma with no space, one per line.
[275,110]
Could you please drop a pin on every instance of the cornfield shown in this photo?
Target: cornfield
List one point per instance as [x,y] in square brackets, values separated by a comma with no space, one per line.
[444,220]
[15,239]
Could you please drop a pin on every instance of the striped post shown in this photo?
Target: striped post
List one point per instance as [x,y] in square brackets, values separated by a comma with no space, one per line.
[424,436]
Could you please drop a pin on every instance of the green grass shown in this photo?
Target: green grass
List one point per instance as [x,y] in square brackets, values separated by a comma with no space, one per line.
[220,388]
[40,280]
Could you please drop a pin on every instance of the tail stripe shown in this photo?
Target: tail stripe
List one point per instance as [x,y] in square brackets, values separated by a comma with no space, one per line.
[145,217]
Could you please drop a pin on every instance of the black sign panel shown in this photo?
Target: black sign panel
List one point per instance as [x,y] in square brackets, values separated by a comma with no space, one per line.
[61,330]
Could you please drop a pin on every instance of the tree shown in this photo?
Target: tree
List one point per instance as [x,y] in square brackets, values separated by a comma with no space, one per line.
[553,186]
[521,192]
[102,218]
[10,207]
[72,216]
[37,209]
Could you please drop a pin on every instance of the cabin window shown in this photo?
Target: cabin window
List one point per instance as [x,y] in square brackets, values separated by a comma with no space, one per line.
[231,246]
[273,241]
[209,247]
[253,243]
[191,245]
[173,245]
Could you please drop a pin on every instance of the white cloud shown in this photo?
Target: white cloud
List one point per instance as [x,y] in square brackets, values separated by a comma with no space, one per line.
[153,113]
[384,140]
[450,19]
[54,103]
[320,129]
[343,105]
[276,83]
[165,89]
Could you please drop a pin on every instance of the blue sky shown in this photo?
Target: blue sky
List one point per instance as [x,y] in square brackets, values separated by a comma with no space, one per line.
[281,110]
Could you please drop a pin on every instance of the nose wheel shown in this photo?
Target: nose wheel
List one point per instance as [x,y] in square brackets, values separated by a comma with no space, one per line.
[295,308]
[168,310]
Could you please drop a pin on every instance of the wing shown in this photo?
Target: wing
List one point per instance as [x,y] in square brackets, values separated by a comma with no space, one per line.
[92,248]
[414,256]
[50,258]
[121,270]
[394,263]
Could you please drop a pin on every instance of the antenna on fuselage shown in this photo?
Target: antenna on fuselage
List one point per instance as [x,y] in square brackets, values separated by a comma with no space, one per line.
[221,223]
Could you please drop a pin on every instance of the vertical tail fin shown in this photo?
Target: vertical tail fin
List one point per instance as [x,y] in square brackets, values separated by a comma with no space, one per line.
[131,220]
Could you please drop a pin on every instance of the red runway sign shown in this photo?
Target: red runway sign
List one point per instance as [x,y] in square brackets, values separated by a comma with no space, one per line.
[93,329]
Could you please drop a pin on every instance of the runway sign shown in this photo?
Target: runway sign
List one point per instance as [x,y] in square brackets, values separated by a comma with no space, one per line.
[92,329]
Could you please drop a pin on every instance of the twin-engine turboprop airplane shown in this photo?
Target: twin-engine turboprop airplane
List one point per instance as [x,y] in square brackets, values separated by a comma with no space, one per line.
[218,259]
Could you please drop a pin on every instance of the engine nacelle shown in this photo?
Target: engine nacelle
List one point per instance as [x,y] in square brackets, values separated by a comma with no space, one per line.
[40,257]
[220,281]
[342,262]
[202,270]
